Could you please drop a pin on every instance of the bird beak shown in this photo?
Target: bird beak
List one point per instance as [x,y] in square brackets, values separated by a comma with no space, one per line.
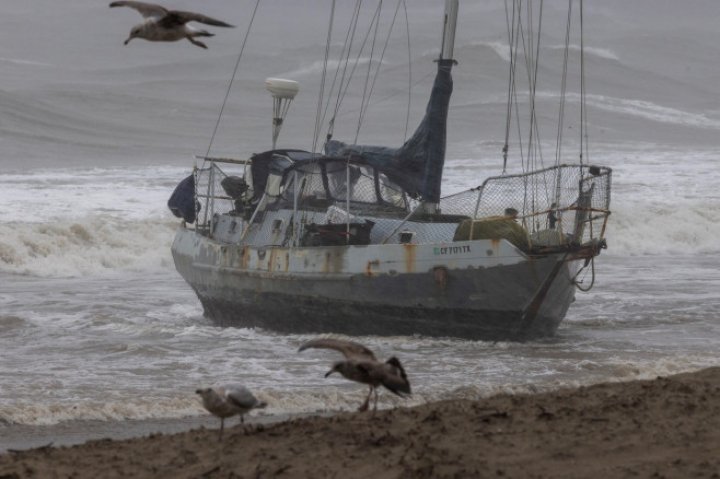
[127,41]
[329,372]
[198,391]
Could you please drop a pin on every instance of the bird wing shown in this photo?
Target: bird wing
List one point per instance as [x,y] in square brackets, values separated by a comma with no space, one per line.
[145,9]
[176,17]
[350,349]
[240,396]
[391,374]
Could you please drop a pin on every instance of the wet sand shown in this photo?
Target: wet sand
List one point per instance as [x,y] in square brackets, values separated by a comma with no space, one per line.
[667,427]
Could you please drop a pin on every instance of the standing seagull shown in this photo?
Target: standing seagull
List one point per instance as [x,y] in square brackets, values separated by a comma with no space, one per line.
[361,365]
[163,25]
[230,400]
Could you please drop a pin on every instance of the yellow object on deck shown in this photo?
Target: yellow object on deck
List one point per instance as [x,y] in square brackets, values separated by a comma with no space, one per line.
[494,228]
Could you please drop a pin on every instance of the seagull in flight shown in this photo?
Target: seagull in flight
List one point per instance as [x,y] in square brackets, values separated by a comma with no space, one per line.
[163,25]
[361,365]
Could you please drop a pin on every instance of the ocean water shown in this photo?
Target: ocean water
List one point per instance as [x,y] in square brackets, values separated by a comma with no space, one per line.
[95,324]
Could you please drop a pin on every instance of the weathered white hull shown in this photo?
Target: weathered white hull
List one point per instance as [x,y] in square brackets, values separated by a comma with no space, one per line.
[481,289]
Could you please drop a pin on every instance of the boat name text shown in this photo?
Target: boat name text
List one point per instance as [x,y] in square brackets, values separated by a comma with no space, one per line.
[451,250]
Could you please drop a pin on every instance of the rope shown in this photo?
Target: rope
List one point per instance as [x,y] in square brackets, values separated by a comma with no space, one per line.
[227,92]
[592,280]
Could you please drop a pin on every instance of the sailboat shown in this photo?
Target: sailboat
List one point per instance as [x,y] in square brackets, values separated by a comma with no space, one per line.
[358,240]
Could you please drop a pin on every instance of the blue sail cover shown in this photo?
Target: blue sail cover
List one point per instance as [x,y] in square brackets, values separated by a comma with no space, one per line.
[417,166]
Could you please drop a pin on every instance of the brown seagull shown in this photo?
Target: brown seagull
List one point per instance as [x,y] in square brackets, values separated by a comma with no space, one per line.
[361,365]
[163,25]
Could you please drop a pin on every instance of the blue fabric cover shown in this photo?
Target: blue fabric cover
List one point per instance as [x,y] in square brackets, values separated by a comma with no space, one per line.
[416,166]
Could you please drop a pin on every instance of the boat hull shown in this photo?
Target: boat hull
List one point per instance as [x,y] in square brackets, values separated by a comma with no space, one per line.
[479,289]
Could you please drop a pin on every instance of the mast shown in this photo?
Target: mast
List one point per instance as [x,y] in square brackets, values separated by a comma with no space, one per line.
[436,115]
[448,39]
[417,166]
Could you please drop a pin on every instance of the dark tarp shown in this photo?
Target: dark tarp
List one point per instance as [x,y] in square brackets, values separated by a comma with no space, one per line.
[417,166]
[263,163]
[181,202]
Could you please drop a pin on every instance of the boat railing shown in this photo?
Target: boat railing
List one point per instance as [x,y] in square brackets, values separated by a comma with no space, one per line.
[560,205]
[211,197]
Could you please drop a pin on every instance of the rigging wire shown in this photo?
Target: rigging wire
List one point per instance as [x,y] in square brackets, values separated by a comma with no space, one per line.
[527,44]
[376,23]
[583,99]
[533,116]
[316,133]
[232,79]
[387,97]
[563,88]
[345,84]
[533,64]
[511,80]
[377,70]
[512,89]
[345,53]
[346,87]
[346,78]
[407,29]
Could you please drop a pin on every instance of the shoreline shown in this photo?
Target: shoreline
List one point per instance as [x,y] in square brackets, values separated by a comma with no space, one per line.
[669,427]
[24,438]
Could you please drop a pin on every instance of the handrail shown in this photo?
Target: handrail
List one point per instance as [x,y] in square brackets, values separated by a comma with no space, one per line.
[223,160]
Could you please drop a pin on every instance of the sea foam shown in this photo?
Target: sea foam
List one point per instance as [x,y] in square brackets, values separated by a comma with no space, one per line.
[91,245]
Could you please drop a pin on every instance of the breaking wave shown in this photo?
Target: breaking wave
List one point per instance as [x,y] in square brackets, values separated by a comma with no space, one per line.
[598,52]
[502,49]
[642,109]
[318,66]
[664,229]
[87,246]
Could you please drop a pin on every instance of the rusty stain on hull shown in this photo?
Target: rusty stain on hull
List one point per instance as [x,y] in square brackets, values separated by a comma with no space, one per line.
[410,253]
[244,260]
[370,265]
[440,274]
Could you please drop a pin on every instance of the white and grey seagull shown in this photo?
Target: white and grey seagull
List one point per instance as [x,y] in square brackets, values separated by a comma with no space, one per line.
[229,400]
[163,25]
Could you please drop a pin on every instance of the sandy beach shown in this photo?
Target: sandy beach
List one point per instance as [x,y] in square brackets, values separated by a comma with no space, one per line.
[667,427]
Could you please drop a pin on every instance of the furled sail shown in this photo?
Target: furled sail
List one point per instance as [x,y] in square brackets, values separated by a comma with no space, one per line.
[417,166]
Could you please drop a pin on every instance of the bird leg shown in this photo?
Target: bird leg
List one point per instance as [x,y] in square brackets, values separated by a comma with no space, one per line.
[365,405]
[222,426]
[376,400]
